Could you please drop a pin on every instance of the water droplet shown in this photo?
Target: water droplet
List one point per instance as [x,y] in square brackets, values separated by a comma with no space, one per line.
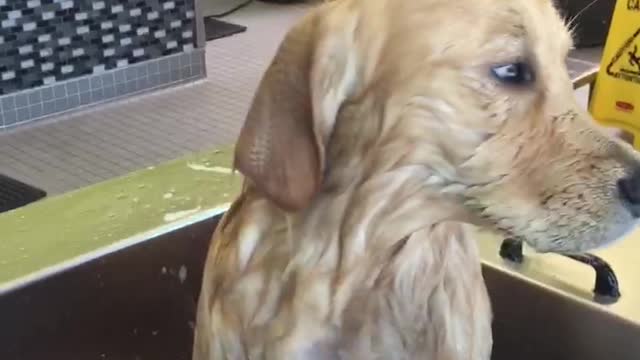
[155,332]
[136,200]
[167,195]
[182,274]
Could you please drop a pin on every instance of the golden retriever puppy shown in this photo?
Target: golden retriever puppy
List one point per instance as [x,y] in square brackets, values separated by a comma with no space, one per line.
[381,134]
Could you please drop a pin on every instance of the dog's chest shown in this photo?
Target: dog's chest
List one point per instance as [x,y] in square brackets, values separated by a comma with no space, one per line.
[418,318]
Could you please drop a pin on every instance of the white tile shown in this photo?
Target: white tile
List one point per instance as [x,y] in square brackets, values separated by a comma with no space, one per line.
[143,30]
[64,41]
[176,24]
[138,52]
[116,9]
[169,5]
[44,38]
[107,38]
[189,14]
[48,15]
[8,75]
[187,48]
[109,52]
[29,26]
[46,52]
[66,4]
[26,64]
[160,34]
[106,25]
[122,63]
[82,30]
[98,5]
[172,45]
[8,23]
[187,34]
[152,15]
[135,12]
[66,69]
[98,69]
[81,16]
[15,14]
[125,41]
[77,52]
[3,2]
[48,66]
[26,49]
[124,27]
[49,80]
[33,4]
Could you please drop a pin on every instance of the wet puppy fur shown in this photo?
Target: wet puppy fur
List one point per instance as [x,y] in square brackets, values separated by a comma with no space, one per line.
[381,136]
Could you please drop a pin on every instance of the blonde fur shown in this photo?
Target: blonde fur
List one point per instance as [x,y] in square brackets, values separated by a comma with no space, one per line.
[376,142]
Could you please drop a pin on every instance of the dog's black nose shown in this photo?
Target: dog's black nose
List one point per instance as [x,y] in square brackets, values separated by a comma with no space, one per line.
[629,190]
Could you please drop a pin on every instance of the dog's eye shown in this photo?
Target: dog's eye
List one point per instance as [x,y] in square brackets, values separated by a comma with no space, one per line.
[513,74]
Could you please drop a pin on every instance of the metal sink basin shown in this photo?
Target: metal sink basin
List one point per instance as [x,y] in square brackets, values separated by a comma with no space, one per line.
[139,303]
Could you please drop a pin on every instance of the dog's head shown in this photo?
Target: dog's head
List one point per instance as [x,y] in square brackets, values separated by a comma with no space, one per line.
[476,93]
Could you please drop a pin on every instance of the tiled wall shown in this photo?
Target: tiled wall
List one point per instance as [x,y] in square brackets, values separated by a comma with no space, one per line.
[94,46]
[44,101]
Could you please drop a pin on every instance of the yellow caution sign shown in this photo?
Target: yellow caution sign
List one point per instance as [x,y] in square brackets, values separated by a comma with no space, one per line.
[615,99]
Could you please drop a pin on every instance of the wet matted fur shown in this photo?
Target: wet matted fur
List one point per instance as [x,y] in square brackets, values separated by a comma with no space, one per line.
[377,140]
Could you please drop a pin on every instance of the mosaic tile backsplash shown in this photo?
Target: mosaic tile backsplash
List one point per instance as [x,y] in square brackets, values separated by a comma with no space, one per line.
[43,42]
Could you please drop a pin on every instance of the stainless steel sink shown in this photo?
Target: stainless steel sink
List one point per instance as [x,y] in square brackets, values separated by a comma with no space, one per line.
[139,303]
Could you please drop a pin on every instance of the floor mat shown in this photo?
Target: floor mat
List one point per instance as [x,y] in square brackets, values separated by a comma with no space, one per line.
[215,29]
[14,194]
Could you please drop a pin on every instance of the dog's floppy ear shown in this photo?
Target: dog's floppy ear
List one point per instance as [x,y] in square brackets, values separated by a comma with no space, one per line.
[281,147]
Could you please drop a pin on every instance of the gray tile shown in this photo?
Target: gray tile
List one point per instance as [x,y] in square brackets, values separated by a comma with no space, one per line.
[9,117]
[22,100]
[62,104]
[143,83]
[186,72]
[8,103]
[185,59]
[141,70]
[174,63]
[22,114]
[107,79]
[121,89]
[35,111]
[97,95]
[120,76]
[74,101]
[47,93]
[164,65]
[84,85]
[154,80]
[72,88]
[165,78]
[153,67]
[35,97]
[96,82]
[131,86]
[1,121]
[197,57]
[49,107]
[131,73]
[85,98]
[175,75]
[109,92]
[59,91]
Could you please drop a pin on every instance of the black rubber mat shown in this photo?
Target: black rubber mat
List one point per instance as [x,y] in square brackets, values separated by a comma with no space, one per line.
[216,29]
[14,194]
